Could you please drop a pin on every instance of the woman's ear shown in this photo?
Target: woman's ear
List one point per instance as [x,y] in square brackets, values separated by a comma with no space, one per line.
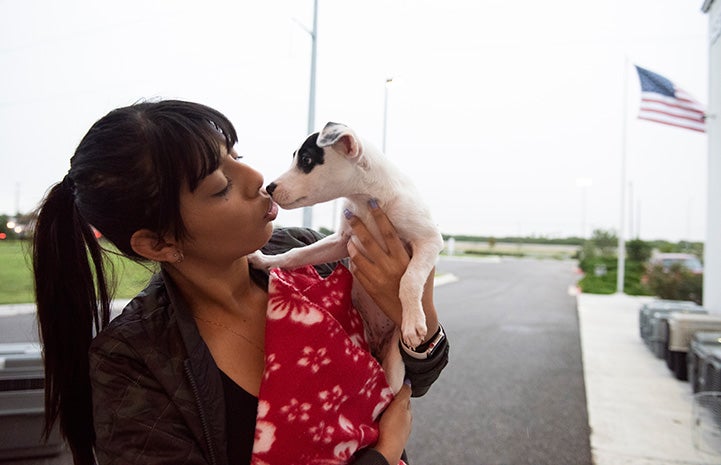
[147,244]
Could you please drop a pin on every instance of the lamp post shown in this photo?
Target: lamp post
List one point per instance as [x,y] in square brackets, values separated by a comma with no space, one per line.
[308,211]
[385,112]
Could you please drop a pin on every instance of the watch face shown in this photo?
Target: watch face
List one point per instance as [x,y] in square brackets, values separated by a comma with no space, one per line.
[434,343]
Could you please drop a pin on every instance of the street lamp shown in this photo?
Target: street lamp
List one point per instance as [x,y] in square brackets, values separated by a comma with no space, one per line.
[308,211]
[385,112]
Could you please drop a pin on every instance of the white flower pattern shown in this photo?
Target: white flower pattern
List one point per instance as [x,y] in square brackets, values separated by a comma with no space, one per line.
[322,432]
[296,410]
[321,392]
[332,399]
[315,359]
[270,365]
[264,430]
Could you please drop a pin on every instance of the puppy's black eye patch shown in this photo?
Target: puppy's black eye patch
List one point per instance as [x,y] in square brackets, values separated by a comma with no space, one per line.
[309,154]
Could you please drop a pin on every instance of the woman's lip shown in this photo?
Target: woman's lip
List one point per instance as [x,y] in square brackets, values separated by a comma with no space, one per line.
[272,211]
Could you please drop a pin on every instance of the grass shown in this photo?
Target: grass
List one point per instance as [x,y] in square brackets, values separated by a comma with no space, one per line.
[505,249]
[16,280]
[16,285]
[592,283]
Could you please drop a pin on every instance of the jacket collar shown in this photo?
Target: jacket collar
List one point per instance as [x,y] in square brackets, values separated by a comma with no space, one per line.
[203,377]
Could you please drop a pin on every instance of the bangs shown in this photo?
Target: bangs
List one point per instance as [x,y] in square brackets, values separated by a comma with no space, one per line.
[184,143]
[198,147]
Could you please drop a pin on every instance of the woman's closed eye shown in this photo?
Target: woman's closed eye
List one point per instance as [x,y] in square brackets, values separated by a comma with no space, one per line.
[223,192]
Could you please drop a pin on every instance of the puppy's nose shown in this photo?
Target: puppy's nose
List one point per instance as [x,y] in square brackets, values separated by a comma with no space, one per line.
[270,188]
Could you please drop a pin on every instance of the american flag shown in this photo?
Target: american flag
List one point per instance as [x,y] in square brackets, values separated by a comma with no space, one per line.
[663,102]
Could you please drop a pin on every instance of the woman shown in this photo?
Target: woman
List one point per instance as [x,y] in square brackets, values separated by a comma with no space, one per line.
[175,378]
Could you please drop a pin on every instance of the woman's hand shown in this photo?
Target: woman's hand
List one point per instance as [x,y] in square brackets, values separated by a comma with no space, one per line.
[394,428]
[379,266]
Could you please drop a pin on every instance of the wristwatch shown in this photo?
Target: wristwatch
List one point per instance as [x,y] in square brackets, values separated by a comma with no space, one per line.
[428,348]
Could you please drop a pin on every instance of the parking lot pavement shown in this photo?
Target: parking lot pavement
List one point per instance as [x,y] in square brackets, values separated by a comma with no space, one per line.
[639,413]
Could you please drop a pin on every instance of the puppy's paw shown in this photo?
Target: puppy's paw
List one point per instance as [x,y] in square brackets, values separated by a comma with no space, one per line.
[260,261]
[413,331]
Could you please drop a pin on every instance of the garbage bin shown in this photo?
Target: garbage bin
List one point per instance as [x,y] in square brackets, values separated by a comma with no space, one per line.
[645,313]
[682,327]
[22,380]
[653,321]
[704,361]
[706,425]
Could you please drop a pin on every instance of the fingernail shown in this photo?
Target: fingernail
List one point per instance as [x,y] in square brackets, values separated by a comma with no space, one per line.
[407,382]
[348,214]
[373,203]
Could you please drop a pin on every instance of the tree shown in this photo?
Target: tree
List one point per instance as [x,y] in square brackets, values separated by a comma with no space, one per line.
[605,241]
[638,250]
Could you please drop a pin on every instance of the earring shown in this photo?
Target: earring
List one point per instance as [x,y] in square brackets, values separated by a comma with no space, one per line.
[178,256]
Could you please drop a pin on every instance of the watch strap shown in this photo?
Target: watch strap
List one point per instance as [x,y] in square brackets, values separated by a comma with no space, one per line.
[426,349]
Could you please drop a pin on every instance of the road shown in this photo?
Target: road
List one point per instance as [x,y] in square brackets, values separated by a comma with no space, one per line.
[513,392]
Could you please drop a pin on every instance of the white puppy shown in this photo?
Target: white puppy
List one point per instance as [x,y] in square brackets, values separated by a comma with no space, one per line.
[336,163]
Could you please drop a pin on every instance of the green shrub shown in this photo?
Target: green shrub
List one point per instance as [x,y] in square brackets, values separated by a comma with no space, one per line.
[676,283]
[638,250]
[632,283]
[601,274]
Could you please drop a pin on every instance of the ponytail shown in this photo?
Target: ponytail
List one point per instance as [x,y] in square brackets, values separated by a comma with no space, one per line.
[126,175]
[70,311]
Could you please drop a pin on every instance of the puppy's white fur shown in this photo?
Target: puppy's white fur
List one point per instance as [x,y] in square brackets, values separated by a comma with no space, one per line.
[355,170]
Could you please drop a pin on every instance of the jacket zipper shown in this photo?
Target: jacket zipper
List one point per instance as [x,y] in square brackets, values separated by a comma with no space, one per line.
[203,419]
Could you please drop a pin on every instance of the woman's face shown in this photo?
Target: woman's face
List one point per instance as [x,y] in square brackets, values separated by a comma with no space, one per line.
[227,216]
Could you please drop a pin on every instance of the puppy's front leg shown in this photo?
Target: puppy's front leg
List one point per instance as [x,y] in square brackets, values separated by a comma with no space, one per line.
[413,325]
[329,249]
[392,363]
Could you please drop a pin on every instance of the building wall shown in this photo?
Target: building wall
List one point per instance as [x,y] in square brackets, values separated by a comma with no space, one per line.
[712,252]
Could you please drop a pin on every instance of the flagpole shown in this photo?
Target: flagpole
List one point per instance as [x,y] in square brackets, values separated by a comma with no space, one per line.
[621,226]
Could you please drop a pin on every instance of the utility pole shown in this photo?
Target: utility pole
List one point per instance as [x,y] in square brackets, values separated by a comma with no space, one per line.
[308,211]
[385,112]
[17,199]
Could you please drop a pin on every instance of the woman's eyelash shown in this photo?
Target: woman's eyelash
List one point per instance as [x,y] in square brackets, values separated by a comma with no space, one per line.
[235,156]
[226,189]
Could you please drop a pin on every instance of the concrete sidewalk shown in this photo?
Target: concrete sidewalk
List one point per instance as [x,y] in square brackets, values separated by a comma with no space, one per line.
[639,413]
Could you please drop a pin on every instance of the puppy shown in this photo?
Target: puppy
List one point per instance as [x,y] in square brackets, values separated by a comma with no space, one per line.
[335,163]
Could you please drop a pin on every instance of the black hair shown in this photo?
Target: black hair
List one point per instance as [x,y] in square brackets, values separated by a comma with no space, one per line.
[125,175]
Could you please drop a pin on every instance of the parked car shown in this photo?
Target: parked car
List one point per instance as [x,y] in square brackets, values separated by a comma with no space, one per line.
[667,260]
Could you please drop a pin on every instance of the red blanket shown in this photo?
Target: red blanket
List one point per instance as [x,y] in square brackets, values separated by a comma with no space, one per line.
[322,392]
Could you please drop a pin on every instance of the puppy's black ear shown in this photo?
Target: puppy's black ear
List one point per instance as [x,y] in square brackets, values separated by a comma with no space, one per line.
[341,137]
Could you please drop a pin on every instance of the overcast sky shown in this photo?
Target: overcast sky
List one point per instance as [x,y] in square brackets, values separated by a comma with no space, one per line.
[501,110]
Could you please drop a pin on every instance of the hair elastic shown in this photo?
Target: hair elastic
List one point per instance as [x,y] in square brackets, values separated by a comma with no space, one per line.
[68,183]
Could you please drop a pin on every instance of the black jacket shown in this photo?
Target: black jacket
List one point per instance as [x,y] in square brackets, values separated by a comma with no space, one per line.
[157,393]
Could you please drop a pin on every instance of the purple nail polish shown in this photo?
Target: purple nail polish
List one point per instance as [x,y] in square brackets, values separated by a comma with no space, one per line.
[373,203]
[348,214]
